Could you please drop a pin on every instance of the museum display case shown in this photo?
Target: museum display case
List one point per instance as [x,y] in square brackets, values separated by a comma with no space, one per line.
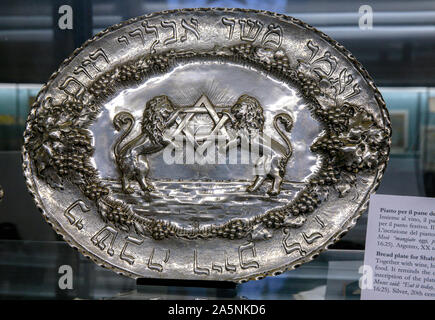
[394,41]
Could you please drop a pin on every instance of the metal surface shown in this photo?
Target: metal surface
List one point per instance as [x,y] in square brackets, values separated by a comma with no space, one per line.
[215,144]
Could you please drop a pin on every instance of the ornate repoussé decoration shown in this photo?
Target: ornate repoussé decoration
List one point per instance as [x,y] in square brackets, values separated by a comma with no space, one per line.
[351,145]
[352,142]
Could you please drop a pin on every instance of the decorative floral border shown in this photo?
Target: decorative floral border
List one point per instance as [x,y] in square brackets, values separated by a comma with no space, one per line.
[292,264]
[61,145]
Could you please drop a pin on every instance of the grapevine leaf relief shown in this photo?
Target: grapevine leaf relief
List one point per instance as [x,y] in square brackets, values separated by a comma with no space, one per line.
[61,145]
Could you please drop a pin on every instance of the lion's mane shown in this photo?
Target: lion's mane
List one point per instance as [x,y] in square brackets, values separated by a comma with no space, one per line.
[153,122]
[253,118]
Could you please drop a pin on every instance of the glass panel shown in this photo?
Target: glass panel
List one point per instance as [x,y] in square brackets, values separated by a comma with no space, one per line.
[397,50]
[30,270]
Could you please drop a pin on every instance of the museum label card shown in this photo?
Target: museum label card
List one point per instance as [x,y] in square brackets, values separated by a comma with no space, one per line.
[399,261]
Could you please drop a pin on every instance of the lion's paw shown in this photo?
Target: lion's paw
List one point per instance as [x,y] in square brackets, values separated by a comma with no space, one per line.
[150,188]
[272,193]
[129,190]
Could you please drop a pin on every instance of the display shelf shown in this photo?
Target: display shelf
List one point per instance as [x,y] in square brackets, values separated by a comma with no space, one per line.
[30,270]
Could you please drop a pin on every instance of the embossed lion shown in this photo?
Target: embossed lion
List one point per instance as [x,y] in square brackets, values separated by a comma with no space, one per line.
[130,156]
[247,120]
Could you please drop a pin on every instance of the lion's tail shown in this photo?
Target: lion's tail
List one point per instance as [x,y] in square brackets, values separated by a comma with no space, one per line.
[287,121]
[122,121]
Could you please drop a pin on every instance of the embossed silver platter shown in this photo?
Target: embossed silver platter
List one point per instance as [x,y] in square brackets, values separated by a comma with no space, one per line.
[218,144]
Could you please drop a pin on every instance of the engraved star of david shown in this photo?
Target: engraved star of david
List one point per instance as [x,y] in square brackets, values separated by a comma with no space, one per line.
[203,105]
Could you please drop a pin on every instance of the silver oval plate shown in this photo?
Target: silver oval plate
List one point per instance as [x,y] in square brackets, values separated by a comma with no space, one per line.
[214,144]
